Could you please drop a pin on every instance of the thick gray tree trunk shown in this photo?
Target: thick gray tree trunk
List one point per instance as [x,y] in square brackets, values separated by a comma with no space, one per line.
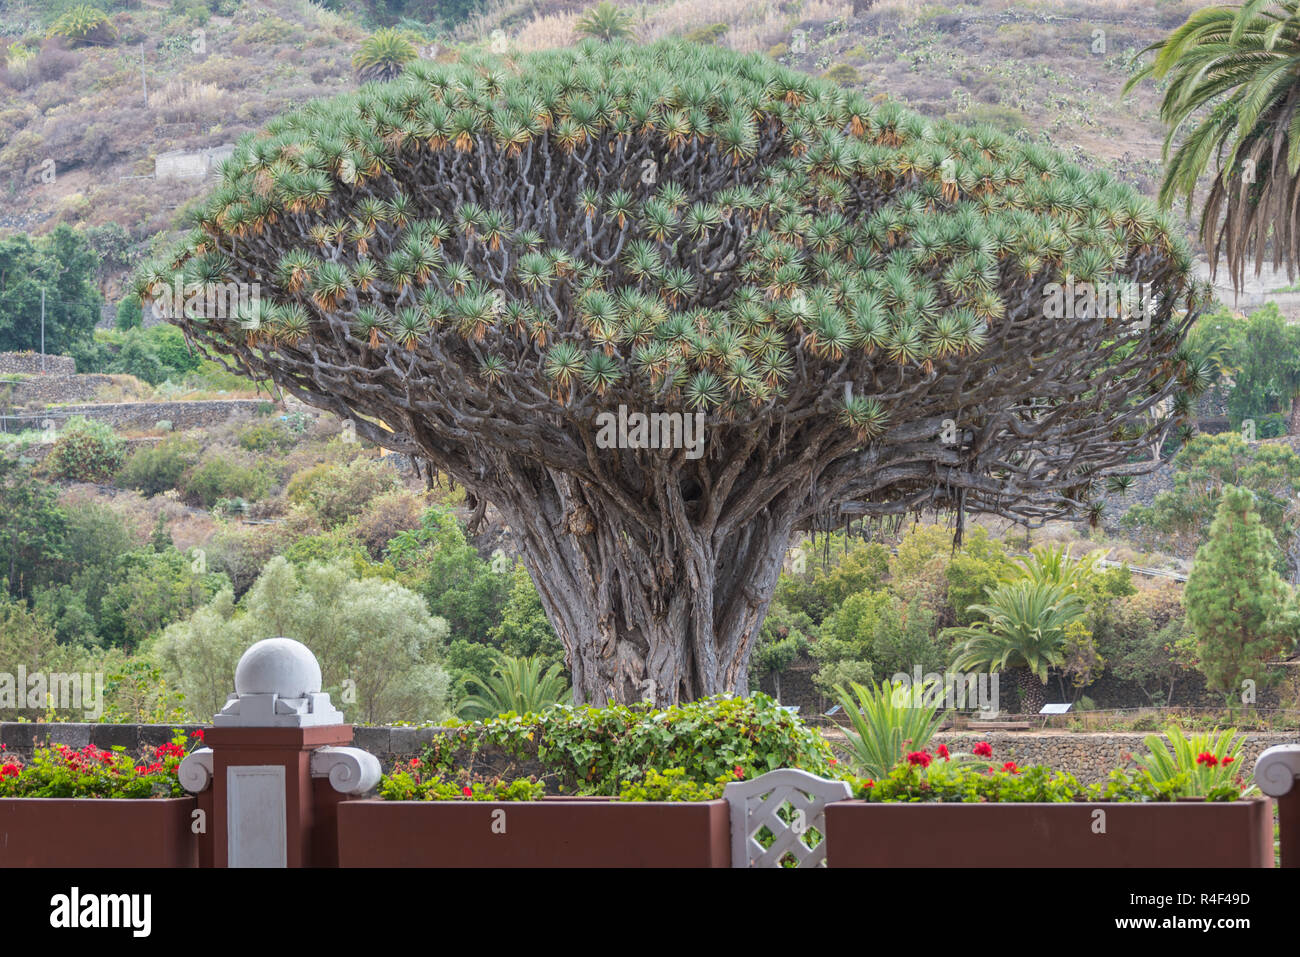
[662,604]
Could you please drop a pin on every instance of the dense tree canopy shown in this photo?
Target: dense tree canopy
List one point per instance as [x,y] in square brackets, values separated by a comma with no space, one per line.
[485,256]
[63,264]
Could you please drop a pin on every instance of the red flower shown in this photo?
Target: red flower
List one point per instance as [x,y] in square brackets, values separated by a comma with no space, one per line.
[871,784]
[739,772]
[10,770]
[982,750]
[198,734]
[467,790]
[1011,766]
[1229,759]
[942,751]
[414,762]
[834,761]
[923,758]
[1206,758]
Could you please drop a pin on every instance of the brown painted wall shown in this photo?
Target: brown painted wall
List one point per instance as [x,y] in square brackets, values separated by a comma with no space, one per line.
[557,832]
[1187,834]
[95,832]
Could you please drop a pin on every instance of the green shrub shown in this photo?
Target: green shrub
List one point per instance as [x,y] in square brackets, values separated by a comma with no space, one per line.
[409,783]
[221,477]
[159,467]
[844,74]
[265,436]
[335,493]
[60,772]
[600,750]
[672,784]
[709,35]
[923,776]
[86,451]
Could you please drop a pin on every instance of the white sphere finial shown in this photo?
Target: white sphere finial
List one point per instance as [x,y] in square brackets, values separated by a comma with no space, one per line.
[279,666]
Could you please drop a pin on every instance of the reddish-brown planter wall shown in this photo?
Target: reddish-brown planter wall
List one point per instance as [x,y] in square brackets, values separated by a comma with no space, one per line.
[551,833]
[1178,834]
[97,832]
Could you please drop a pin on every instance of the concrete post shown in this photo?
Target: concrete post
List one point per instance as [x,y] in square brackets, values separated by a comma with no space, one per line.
[277,765]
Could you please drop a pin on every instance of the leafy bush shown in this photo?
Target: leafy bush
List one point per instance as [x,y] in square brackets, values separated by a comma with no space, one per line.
[159,467]
[265,436]
[844,74]
[672,784]
[222,477]
[407,783]
[710,34]
[599,750]
[336,493]
[86,451]
[939,780]
[60,772]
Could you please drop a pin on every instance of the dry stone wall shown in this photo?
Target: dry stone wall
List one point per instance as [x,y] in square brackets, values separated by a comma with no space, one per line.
[29,363]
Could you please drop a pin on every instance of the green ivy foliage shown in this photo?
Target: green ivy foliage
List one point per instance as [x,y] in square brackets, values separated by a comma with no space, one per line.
[600,750]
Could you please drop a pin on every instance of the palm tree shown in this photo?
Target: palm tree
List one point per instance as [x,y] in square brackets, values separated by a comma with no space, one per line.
[1024,632]
[605,22]
[518,685]
[1239,69]
[383,55]
[1052,565]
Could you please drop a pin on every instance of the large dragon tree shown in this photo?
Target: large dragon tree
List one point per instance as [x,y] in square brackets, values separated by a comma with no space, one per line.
[474,261]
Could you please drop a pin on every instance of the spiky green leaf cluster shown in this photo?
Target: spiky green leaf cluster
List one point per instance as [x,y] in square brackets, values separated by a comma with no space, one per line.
[715,224]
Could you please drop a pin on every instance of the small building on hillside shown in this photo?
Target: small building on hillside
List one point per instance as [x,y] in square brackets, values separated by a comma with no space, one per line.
[191,164]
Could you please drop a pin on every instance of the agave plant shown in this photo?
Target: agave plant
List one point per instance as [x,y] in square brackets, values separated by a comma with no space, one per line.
[383,55]
[1203,765]
[517,684]
[888,721]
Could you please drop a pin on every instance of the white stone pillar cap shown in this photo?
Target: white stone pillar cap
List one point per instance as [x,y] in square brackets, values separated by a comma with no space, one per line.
[277,684]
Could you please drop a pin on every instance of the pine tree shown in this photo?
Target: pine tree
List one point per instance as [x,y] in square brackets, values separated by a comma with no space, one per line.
[1240,610]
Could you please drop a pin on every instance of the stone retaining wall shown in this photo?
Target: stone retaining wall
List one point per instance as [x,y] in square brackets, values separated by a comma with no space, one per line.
[143,415]
[46,389]
[29,363]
